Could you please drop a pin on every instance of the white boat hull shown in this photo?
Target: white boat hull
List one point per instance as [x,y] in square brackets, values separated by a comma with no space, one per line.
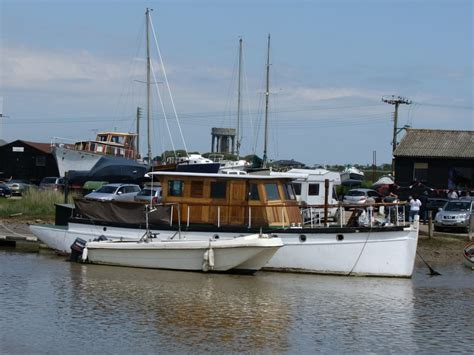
[376,253]
[246,254]
[70,159]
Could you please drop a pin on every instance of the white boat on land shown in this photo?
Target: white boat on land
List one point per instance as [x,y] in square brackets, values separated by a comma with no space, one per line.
[222,206]
[469,255]
[352,176]
[245,254]
[83,155]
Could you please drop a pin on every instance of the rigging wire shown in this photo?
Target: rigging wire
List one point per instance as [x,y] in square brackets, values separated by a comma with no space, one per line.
[168,86]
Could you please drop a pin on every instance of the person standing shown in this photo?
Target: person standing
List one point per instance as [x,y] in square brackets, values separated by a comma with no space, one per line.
[423,210]
[452,194]
[415,205]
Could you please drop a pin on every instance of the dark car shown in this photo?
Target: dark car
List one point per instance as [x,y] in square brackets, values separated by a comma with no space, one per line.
[5,190]
[433,204]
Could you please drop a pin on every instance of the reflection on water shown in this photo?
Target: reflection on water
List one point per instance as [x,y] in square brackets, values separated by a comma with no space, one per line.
[49,305]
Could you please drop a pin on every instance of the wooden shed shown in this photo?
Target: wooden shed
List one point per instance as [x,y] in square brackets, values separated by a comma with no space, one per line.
[27,160]
[441,159]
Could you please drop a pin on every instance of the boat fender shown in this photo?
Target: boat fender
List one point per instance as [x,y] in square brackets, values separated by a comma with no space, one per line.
[205,261]
[208,260]
[84,254]
[211,259]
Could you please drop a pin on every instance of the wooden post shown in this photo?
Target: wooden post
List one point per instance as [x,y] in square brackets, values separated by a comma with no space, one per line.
[471,227]
[430,224]
[66,186]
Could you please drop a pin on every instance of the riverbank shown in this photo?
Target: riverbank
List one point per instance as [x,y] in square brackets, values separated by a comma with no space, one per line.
[441,249]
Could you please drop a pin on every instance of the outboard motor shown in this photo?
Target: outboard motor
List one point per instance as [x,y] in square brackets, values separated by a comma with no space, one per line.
[77,248]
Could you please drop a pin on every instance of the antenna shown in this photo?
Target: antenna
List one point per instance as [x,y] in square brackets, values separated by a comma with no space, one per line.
[397,101]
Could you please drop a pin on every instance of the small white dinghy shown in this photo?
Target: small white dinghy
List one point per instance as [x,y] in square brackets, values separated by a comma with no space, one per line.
[469,255]
[246,254]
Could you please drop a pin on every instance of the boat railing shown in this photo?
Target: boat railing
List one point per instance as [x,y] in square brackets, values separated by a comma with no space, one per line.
[278,216]
[369,213]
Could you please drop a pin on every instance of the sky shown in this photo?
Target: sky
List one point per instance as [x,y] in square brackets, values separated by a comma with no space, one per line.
[69,69]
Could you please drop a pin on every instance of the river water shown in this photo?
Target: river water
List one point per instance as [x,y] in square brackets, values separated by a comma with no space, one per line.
[52,306]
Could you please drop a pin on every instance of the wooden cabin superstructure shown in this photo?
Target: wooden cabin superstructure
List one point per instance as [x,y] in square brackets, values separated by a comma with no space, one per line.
[111,143]
[230,200]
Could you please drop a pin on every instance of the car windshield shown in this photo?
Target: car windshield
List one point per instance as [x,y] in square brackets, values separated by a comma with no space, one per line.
[51,180]
[355,193]
[147,192]
[457,206]
[107,189]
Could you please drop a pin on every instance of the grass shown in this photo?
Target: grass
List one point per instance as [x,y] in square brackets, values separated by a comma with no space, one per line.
[33,204]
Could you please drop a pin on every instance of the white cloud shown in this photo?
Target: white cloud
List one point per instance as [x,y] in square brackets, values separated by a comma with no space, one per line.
[25,68]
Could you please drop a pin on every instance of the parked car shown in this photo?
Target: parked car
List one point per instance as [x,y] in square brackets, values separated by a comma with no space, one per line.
[114,192]
[360,196]
[52,183]
[150,195]
[5,190]
[433,204]
[19,187]
[455,214]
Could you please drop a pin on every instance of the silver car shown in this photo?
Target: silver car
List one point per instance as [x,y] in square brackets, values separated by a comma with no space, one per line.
[150,195]
[454,215]
[114,192]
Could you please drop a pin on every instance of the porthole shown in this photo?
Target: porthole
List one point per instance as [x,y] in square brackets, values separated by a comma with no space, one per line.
[104,229]
[340,237]
[302,238]
[216,236]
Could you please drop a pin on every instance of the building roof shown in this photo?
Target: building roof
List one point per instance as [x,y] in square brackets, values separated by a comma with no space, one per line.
[430,143]
[43,147]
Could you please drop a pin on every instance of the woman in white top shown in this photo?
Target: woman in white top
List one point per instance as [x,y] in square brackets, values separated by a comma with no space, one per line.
[415,205]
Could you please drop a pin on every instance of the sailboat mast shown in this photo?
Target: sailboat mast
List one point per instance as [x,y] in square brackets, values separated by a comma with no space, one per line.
[239,102]
[267,94]
[148,93]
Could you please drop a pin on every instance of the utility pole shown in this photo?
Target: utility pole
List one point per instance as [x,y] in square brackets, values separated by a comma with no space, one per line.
[397,101]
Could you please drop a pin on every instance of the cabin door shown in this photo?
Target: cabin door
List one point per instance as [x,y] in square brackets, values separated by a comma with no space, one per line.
[237,202]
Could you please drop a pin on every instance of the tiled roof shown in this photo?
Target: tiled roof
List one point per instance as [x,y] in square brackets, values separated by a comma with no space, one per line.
[429,143]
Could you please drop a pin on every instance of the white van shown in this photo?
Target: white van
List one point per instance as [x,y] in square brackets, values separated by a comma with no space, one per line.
[309,190]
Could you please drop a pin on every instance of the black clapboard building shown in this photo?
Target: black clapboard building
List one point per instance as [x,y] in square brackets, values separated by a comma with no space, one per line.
[441,159]
[27,160]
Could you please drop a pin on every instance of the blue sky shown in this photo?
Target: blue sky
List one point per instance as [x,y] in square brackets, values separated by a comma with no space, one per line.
[72,68]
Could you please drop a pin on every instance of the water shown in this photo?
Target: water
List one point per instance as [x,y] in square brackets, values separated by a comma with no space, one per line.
[52,306]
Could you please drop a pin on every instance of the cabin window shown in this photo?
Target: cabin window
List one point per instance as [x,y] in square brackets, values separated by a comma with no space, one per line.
[175,187]
[289,192]
[272,191]
[297,188]
[253,192]
[218,189]
[197,188]
[313,189]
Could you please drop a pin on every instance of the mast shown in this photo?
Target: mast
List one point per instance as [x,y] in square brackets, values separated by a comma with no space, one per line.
[239,99]
[148,65]
[267,94]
